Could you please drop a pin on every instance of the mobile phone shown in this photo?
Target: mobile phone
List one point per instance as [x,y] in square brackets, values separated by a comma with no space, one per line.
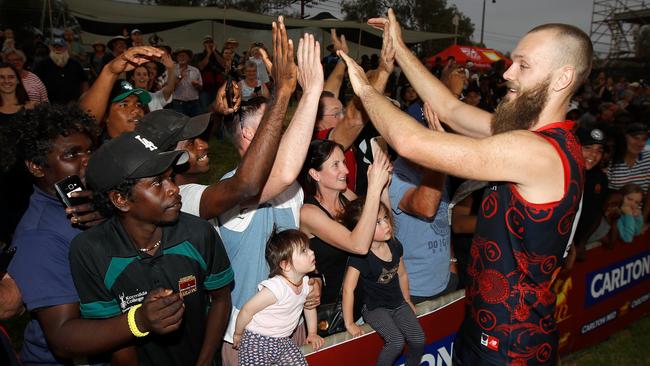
[378,143]
[257,89]
[230,94]
[5,258]
[68,185]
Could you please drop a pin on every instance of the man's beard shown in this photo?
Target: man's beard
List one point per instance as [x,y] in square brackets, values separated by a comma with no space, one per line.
[59,59]
[522,112]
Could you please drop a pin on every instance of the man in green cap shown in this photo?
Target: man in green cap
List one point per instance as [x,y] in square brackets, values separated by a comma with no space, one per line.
[120,110]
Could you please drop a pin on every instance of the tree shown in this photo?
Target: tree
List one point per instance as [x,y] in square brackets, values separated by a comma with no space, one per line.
[420,15]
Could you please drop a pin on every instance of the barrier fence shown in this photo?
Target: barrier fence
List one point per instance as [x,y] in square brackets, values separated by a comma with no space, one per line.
[601,296]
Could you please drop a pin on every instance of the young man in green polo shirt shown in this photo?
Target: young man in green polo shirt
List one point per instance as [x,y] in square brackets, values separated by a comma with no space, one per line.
[147,245]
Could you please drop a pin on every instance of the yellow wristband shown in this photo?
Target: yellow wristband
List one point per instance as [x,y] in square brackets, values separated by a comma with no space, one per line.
[132,325]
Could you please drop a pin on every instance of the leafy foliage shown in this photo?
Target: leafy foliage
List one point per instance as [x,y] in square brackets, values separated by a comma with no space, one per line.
[420,15]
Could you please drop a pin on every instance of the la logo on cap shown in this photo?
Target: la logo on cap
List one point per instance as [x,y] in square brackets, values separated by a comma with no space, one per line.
[148,144]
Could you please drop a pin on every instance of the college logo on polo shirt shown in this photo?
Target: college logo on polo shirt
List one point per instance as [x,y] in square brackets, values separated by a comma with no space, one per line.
[127,301]
[187,285]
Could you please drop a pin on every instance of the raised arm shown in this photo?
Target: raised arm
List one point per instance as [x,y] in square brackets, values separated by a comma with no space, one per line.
[95,100]
[254,169]
[503,157]
[463,118]
[295,142]
[347,131]
[335,79]
[423,201]
[268,64]
[169,87]
[313,221]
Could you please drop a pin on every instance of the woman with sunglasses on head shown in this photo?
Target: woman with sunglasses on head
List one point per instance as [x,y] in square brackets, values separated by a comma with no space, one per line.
[324,178]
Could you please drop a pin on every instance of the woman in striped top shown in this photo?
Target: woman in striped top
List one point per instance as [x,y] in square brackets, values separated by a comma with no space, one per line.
[632,165]
[33,85]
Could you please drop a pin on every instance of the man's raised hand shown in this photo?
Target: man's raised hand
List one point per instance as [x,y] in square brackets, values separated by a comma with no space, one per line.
[221,101]
[432,118]
[390,26]
[310,71]
[133,57]
[284,68]
[356,74]
[339,43]
[387,59]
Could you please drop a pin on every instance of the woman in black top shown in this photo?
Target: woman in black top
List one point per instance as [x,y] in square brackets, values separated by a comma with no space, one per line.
[324,180]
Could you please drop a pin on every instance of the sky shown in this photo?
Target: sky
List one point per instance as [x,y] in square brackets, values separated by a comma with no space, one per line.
[505,20]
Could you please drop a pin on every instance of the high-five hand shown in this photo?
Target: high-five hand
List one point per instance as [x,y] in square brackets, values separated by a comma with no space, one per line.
[310,71]
[356,74]
[284,68]
[390,26]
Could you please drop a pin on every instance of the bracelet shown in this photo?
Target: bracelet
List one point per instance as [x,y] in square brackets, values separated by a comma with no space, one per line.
[133,327]
[453,260]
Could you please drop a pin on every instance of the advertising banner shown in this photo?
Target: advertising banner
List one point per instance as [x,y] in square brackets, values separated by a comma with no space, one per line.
[600,296]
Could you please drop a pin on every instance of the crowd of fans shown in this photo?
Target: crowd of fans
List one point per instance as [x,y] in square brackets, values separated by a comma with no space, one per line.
[377,234]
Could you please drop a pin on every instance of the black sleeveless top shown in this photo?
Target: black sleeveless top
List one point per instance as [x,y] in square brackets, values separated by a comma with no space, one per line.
[517,251]
[330,261]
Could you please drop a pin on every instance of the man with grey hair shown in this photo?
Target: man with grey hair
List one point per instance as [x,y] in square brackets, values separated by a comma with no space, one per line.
[64,77]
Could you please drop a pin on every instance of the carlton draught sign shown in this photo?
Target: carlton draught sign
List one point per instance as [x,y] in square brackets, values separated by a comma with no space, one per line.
[606,282]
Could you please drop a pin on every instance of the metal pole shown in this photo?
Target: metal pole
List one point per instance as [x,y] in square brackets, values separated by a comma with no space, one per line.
[483,23]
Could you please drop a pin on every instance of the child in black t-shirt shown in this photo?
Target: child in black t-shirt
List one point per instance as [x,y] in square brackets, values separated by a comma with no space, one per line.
[387,302]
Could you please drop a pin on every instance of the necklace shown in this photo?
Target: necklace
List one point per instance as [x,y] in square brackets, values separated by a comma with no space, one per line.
[291,282]
[144,250]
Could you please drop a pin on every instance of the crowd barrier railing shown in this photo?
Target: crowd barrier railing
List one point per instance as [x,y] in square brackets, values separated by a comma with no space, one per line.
[600,296]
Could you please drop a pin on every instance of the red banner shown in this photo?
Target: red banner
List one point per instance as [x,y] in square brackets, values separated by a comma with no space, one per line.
[602,295]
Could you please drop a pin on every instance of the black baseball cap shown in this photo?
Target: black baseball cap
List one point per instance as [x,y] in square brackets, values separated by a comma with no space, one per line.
[165,127]
[129,156]
[590,136]
[122,89]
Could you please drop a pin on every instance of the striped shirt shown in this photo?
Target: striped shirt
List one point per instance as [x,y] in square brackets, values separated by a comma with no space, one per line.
[34,87]
[620,174]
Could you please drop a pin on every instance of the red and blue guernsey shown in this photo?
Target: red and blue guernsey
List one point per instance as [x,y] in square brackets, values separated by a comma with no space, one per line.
[516,253]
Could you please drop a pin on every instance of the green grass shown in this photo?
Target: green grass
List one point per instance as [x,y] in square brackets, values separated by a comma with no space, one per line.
[223,158]
[630,346]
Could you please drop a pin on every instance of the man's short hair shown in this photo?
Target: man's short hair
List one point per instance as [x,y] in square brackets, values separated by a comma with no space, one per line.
[321,106]
[576,50]
[248,109]
[31,134]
